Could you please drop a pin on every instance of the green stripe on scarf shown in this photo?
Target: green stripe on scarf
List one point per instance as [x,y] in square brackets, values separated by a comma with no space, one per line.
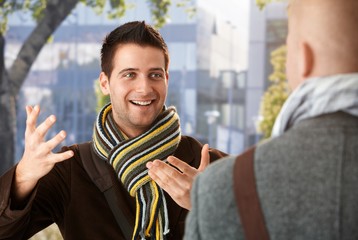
[129,157]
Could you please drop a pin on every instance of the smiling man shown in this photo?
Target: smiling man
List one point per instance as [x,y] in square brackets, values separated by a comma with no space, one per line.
[104,190]
[137,87]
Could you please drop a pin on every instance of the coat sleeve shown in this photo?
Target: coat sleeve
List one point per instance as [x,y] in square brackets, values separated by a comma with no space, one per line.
[45,205]
[214,214]
[196,147]
[192,230]
[12,221]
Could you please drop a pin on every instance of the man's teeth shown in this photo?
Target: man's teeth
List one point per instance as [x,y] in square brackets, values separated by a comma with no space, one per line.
[142,103]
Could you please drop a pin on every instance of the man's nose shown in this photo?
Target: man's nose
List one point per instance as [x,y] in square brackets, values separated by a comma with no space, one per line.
[144,85]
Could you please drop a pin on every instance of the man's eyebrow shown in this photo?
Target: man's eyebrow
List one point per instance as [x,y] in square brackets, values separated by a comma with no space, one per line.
[124,70]
[127,70]
[157,69]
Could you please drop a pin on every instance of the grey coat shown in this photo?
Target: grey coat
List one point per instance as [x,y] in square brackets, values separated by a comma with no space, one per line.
[307,181]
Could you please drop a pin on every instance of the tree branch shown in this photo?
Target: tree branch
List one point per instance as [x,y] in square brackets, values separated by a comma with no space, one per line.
[56,11]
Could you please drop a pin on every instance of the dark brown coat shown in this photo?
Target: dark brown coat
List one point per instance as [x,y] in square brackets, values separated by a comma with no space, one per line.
[68,197]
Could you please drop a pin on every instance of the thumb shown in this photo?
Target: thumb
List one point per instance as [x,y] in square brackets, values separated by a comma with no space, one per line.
[205,158]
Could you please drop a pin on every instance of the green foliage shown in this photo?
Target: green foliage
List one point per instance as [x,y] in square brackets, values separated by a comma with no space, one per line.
[36,8]
[7,7]
[159,10]
[262,3]
[188,7]
[3,19]
[278,91]
[276,94]
[117,8]
[96,5]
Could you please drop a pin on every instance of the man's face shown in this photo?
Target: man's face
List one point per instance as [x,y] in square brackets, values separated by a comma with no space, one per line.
[138,87]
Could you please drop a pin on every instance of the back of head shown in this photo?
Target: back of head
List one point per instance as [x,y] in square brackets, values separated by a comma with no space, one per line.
[328,27]
[135,32]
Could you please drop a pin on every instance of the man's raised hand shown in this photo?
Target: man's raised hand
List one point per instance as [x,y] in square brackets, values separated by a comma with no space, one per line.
[177,179]
[38,158]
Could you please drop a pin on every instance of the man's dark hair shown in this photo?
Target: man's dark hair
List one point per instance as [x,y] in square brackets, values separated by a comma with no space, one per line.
[132,32]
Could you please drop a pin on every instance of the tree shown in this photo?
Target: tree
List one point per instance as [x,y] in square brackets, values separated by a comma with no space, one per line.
[49,14]
[276,94]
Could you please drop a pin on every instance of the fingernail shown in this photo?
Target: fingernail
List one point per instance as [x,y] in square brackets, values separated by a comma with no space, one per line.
[149,165]
[63,134]
[52,118]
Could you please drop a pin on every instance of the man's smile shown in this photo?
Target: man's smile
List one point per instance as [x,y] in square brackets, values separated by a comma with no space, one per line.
[141,103]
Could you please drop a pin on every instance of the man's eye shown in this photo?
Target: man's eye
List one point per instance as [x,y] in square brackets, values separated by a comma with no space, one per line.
[156,75]
[129,75]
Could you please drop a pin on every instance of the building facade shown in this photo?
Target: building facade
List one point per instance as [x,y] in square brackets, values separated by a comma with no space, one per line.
[268,31]
[207,73]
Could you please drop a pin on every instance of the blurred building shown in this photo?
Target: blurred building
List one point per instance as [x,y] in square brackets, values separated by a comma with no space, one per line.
[216,96]
[208,76]
[268,31]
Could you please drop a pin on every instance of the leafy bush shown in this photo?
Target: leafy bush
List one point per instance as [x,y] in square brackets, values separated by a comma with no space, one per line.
[276,94]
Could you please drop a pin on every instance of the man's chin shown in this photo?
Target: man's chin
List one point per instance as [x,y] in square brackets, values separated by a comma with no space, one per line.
[144,123]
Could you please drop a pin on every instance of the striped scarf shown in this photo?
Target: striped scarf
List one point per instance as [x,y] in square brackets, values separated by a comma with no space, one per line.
[129,157]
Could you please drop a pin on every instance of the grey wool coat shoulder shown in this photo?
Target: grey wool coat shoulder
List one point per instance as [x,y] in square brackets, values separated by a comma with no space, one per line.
[306,180]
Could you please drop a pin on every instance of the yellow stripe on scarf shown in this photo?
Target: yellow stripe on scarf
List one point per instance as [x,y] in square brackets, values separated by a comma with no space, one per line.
[154,205]
[142,140]
[128,158]
[159,228]
[136,216]
[99,146]
[139,183]
[143,159]
[104,117]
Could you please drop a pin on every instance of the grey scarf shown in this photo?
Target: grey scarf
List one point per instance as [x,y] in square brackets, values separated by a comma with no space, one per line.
[318,96]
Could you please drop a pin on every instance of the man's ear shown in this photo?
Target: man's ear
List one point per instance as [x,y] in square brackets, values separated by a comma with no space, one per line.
[167,76]
[104,83]
[306,60]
